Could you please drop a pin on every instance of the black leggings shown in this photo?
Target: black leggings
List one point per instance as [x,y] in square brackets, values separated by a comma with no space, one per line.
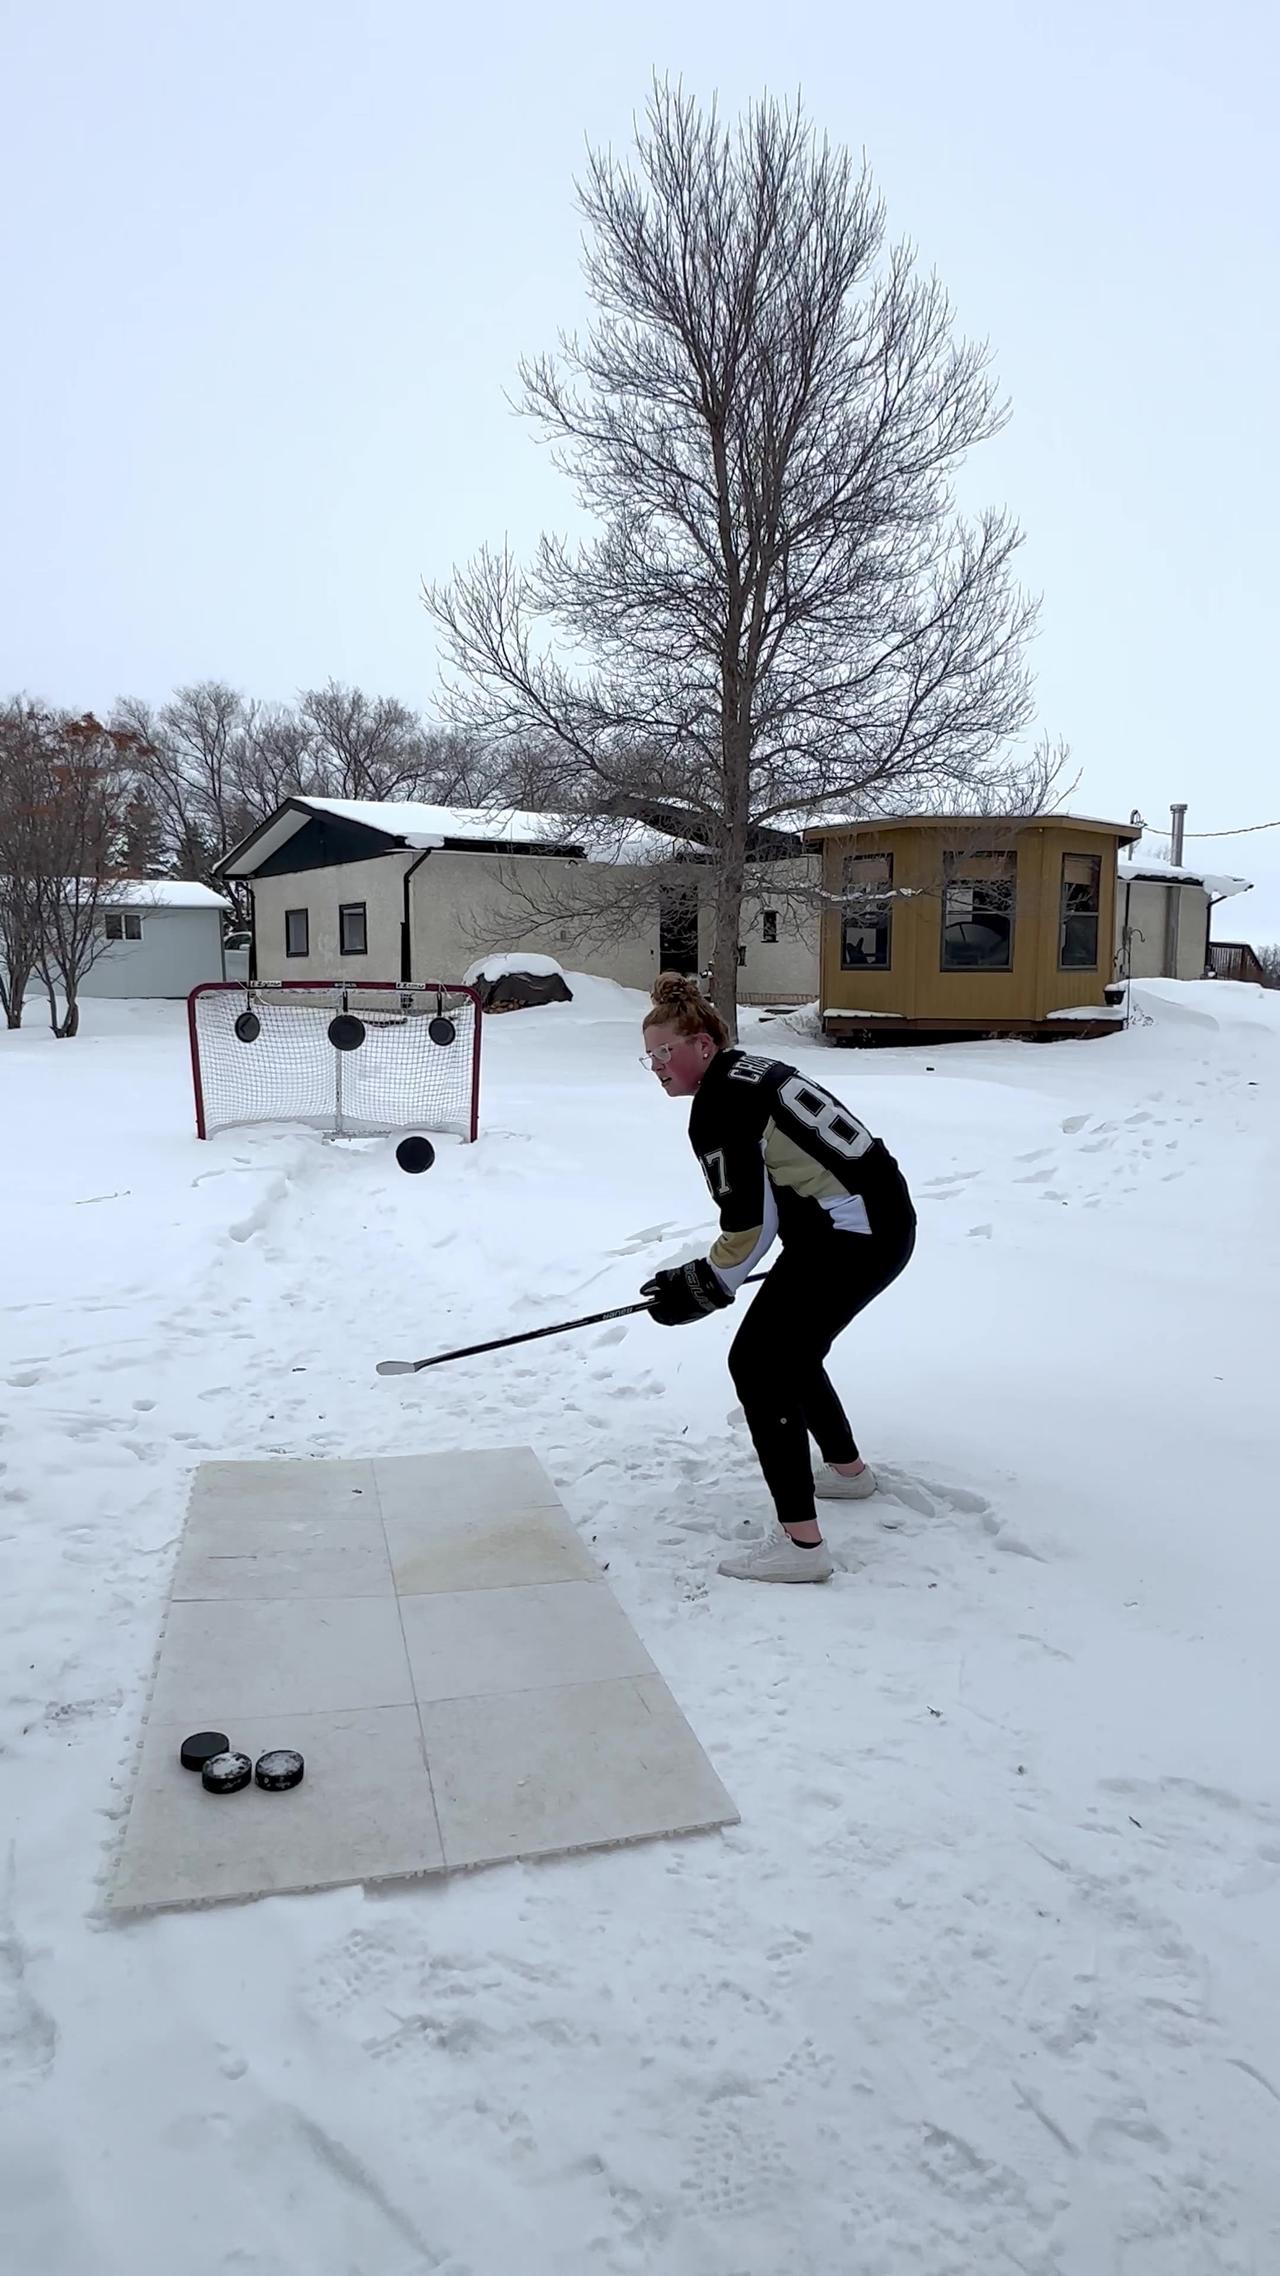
[812,1292]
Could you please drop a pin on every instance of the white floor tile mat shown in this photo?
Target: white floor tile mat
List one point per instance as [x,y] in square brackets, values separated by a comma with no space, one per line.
[432,1636]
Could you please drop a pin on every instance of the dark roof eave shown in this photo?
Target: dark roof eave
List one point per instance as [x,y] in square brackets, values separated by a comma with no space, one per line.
[230,864]
[816,833]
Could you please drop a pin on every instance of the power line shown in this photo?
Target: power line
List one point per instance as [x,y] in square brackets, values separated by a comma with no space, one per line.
[1249,829]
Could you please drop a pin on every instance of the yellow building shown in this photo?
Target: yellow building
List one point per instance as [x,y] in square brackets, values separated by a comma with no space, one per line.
[955,925]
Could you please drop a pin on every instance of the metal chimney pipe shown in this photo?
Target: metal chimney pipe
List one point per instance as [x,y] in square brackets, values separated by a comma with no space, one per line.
[1177,822]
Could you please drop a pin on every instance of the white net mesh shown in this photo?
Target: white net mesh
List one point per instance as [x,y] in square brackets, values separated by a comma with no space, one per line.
[400,1075]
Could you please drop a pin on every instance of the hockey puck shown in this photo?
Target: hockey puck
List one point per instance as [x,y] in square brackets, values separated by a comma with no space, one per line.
[346,1032]
[277,1771]
[248,1027]
[227,1773]
[415,1155]
[201,1747]
[442,1030]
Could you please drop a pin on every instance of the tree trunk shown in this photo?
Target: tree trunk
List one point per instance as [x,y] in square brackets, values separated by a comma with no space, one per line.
[724,950]
[731,868]
[13,995]
[70,1024]
[731,875]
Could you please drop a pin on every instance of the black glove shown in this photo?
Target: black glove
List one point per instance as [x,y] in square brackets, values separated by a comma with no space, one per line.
[686,1292]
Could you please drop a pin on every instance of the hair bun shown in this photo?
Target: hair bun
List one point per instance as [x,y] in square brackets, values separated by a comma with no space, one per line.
[678,1002]
[675,991]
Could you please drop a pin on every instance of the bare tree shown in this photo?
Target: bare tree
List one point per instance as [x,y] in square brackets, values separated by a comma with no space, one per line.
[368,746]
[1269,959]
[277,759]
[782,611]
[190,755]
[21,792]
[66,788]
[213,763]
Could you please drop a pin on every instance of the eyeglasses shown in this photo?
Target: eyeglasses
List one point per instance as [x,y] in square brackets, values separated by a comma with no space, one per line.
[657,1060]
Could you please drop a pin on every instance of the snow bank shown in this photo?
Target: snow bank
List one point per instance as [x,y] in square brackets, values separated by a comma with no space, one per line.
[986,1978]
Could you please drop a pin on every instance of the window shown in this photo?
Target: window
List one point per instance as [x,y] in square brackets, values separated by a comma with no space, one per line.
[978,897]
[122,924]
[770,923]
[353,929]
[866,925]
[1081,906]
[297,932]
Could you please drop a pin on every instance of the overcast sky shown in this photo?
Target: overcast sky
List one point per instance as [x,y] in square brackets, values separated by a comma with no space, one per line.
[268,269]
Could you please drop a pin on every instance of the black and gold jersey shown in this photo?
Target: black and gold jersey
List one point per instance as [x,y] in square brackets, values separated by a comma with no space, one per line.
[781,1156]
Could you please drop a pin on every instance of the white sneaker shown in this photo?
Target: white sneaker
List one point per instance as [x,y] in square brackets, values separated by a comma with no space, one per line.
[779,1558]
[832,1486]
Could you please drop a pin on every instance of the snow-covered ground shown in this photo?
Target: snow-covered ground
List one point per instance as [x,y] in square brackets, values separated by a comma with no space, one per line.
[988,1977]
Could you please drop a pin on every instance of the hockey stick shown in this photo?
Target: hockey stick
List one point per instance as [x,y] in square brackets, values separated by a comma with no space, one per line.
[531,1335]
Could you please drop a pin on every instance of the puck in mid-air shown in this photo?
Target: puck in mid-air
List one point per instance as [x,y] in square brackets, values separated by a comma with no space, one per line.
[277,1771]
[227,1773]
[201,1747]
[415,1155]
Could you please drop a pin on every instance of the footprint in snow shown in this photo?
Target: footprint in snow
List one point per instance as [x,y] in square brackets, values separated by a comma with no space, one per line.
[934,1499]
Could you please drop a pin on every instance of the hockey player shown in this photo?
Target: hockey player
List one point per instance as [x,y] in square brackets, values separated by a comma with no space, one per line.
[784,1159]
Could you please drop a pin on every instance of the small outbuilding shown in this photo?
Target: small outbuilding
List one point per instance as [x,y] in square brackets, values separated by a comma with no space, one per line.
[158,936]
[1163,918]
[941,925]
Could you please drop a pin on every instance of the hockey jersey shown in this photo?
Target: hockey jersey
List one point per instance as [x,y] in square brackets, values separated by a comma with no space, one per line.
[782,1156]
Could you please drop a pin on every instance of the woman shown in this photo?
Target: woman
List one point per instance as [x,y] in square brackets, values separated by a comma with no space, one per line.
[781,1157]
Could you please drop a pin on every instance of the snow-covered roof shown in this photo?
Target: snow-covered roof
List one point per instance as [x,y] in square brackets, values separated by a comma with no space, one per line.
[159,893]
[428,828]
[438,825]
[1151,870]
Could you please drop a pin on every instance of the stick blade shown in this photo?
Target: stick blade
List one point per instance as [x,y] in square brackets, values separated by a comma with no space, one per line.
[397,1367]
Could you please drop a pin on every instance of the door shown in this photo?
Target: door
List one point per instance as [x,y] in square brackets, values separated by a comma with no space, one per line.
[678,928]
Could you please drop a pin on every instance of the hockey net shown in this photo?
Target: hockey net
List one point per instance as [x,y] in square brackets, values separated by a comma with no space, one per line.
[265,1052]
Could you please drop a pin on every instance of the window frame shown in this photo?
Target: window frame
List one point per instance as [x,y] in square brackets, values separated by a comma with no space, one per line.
[769,927]
[348,909]
[882,914]
[982,858]
[1093,915]
[305,949]
[124,918]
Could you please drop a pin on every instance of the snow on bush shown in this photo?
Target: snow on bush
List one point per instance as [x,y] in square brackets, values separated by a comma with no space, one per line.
[502,967]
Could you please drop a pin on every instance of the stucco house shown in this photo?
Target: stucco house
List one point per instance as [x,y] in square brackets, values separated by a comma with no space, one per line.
[1164,913]
[351,889]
